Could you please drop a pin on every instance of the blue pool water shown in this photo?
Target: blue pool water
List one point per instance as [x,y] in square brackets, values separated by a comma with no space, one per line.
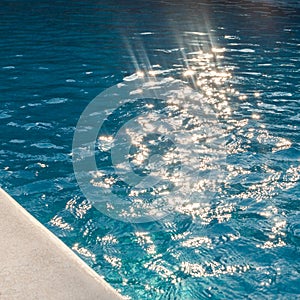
[243,57]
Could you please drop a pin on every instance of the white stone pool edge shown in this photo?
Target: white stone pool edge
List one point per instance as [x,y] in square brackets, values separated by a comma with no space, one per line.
[35,264]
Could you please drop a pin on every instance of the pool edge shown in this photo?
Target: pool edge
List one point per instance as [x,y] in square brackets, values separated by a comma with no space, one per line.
[35,264]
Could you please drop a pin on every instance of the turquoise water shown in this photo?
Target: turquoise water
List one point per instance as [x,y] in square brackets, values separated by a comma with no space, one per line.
[243,56]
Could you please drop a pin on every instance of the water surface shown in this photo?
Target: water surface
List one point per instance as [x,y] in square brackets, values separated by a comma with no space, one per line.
[243,56]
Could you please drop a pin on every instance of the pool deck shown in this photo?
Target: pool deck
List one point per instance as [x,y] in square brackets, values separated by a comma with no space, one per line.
[35,264]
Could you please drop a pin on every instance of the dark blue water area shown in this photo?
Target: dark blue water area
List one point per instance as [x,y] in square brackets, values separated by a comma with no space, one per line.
[243,56]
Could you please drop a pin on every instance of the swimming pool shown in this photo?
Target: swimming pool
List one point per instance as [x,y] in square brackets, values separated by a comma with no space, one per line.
[243,57]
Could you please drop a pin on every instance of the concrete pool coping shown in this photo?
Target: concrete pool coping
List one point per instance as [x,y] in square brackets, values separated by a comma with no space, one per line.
[35,264]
